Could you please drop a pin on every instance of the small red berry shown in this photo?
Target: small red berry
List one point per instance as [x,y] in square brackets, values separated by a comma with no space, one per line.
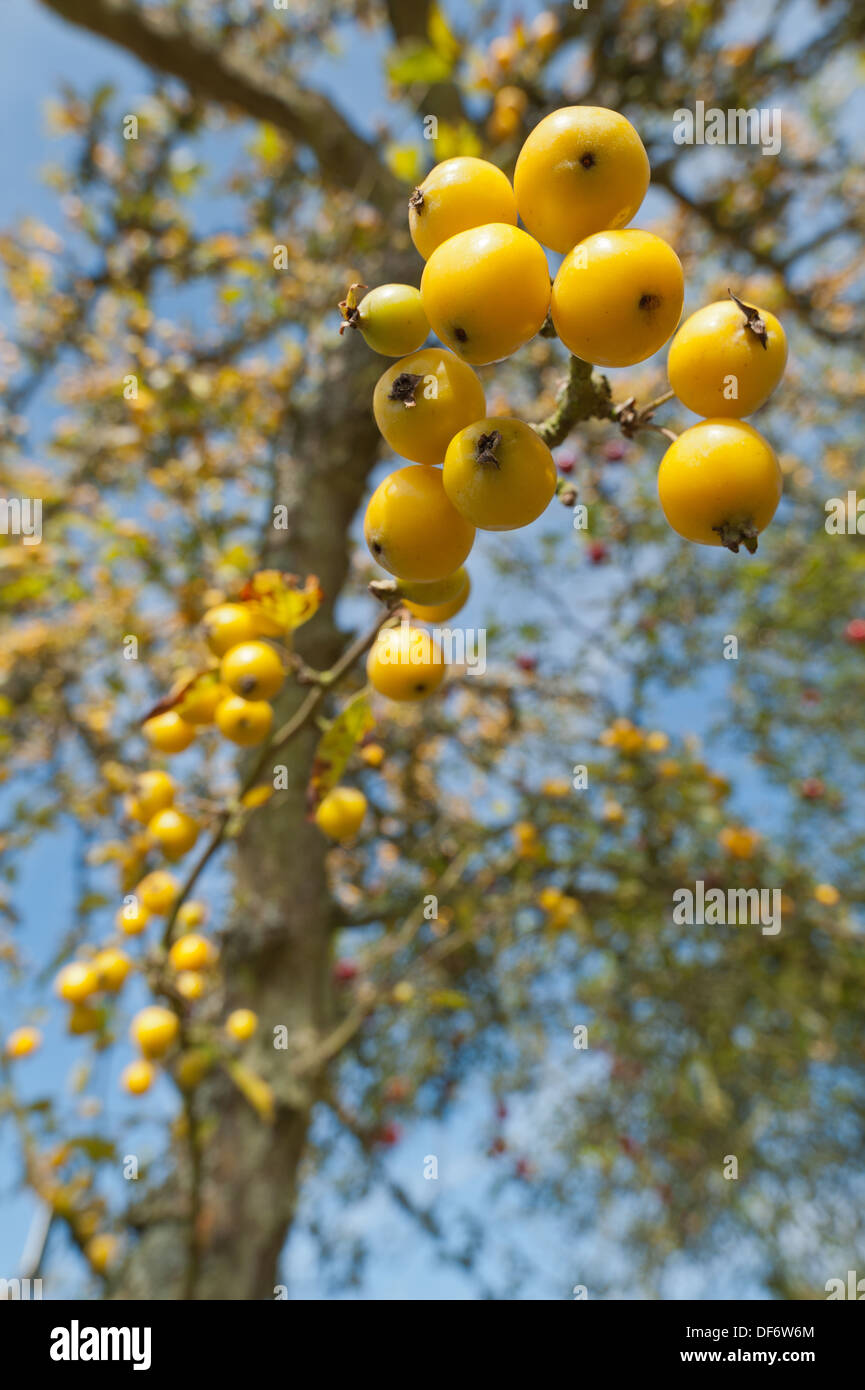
[527,663]
[597,552]
[523,1168]
[344,970]
[812,789]
[389,1134]
[614,450]
[855,630]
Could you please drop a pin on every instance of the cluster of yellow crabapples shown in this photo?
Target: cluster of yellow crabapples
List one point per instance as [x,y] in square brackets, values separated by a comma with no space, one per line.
[616,299]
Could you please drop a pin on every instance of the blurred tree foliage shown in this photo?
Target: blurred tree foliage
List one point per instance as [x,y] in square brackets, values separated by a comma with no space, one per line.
[555,904]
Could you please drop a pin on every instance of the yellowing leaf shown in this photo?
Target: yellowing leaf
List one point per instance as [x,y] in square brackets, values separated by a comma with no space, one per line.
[256,1091]
[448,999]
[404,161]
[280,604]
[337,745]
[256,796]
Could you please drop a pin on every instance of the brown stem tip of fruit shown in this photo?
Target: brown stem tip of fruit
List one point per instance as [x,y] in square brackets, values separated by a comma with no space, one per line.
[736,533]
[416,200]
[487,445]
[649,302]
[348,309]
[752,320]
[404,387]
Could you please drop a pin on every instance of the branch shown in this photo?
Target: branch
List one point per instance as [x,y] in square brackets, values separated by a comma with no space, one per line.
[230,78]
[582,397]
[290,728]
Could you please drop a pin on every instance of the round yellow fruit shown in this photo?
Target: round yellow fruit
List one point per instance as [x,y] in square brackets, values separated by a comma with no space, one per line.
[440,612]
[158,891]
[227,625]
[199,703]
[372,754]
[101,1250]
[77,981]
[618,297]
[392,320]
[191,914]
[112,967]
[132,917]
[421,401]
[719,367]
[411,527]
[245,722]
[174,831]
[455,196]
[138,1077]
[191,952]
[405,663]
[719,484]
[486,291]
[154,1029]
[499,474]
[583,169]
[22,1041]
[167,732]
[153,791]
[191,984]
[253,670]
[241,1024]
[340,813]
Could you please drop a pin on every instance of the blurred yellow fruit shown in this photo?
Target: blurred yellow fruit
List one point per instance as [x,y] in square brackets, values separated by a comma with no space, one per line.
[154,1029]
[138,1077]
[158,891]
[191,914]
[191,952]
[341,813]
[827,894]
[22,1041]
[167,732]
[112,967]
[77,981]
[241,1024]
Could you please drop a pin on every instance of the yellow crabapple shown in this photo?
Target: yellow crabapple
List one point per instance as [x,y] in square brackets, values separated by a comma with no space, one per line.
[244,722]
[391,319]
[720,483]
[21,1042]
[340,813]
[618,297]
[422,401]
[583,169]
[174,831]
[241,1024]
[405,663]
[487,291]
[253,670]
[412,528]
[138,1077]
[167,732]
[456,195]
[154,1029]
[499,474]
[720,366]
[227,625]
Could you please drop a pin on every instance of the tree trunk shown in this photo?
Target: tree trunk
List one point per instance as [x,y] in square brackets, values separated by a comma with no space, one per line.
[276,952]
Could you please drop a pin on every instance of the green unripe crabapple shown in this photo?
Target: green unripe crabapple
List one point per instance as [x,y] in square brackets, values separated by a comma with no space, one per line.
[391,318]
